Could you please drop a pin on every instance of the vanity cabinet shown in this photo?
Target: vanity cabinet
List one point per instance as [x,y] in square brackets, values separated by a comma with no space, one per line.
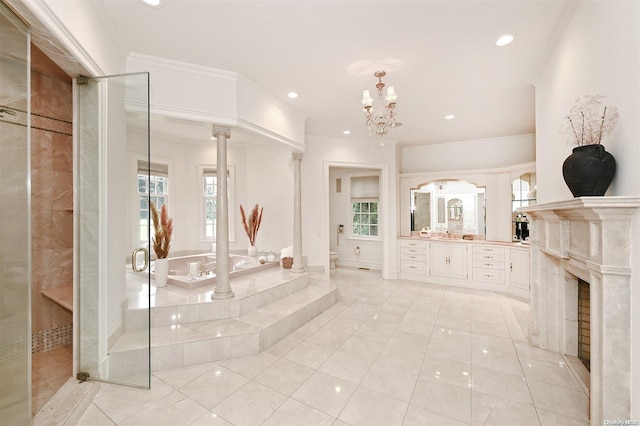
[413,257]
[489,264]
[448,260]
[519,268]
[480,265]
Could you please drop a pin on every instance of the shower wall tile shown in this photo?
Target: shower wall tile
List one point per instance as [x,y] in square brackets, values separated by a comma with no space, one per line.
[62,191]
[41,150]
[40,311]
[62,153]
[62,229]
[51,190]
[41,236]
[62,267]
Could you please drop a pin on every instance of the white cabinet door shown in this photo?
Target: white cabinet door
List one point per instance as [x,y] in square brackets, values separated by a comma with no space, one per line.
[520,269]
[449,260]
[439,254]
[458,261]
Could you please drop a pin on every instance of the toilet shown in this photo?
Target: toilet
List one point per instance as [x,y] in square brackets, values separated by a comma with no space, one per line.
[333,256]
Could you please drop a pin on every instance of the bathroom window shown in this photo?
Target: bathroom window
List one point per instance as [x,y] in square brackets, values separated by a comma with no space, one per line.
[365,192]
[209,202]
[364,218]
[153,185]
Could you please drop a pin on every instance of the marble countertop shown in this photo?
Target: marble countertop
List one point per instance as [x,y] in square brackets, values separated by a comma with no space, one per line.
[463,241]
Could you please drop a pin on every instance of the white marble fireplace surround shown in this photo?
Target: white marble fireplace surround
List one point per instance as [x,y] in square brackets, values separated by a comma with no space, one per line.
[587,238]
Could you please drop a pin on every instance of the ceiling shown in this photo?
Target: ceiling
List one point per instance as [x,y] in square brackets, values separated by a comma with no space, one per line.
[440,56]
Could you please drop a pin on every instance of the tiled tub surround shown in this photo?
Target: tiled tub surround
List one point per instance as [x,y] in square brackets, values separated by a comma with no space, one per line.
[238,265]
[586,238]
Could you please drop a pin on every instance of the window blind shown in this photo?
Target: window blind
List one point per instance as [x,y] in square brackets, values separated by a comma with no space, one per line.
[154,169]
[365,187]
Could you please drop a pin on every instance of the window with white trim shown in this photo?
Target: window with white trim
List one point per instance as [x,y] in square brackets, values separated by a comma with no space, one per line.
[365,196]
[153,185]
[209,179]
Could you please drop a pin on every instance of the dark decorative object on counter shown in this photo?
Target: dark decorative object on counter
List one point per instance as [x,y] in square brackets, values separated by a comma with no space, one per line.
[590,169]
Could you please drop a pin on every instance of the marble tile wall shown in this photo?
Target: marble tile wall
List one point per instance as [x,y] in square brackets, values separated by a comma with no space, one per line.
[51,190]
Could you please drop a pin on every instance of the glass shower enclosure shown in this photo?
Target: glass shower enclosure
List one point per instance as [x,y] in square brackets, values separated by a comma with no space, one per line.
[15,221]
[112,275]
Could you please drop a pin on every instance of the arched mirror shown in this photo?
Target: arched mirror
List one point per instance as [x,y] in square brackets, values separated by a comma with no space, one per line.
[448,206]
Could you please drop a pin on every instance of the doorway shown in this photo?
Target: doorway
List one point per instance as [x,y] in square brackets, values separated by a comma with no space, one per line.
[358,200]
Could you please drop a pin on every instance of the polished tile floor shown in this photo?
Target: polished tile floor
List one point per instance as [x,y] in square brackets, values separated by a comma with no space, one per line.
[390,352]
[49,371]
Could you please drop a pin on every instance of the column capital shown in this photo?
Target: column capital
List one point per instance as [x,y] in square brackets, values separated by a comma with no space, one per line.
[221,130]
[296,156]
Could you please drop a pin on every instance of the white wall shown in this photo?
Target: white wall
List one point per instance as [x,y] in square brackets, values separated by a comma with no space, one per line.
[195,92]
[598,53]
[322,153]
[185,189]
[81,28]
[469,155]
[269,175]
[263,175]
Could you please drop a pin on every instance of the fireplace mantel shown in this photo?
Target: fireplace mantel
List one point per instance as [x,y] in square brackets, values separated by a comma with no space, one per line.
[587,238]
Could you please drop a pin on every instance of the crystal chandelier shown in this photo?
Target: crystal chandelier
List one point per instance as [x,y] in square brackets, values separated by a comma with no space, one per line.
[382,117]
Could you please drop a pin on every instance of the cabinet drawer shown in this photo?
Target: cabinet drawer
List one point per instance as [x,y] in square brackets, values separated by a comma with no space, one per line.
[488,276]
[413,244]
[413,267]
[488,249]
[413,257]
[488,264]
[412,251]
[495,254]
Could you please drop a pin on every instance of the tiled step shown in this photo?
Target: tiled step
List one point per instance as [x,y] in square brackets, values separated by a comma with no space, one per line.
[175,306]
[189,343]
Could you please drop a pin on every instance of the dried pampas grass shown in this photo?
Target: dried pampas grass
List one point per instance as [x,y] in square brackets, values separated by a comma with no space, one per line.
[252,222]
[163,230]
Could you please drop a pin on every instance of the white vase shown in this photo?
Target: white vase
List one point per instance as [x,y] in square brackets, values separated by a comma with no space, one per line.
[252,251]
[161,272]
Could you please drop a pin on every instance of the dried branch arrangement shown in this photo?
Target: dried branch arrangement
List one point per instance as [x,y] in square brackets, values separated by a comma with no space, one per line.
[163,226]
[589,121]
[252,222]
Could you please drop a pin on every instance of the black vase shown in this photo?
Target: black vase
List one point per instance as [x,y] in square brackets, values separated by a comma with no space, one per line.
[589,170]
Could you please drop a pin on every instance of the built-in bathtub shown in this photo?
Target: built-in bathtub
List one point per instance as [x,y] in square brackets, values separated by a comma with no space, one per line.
[238,265]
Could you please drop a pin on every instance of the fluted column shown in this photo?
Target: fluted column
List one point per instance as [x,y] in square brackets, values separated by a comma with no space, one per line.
[223,286]
[297,215]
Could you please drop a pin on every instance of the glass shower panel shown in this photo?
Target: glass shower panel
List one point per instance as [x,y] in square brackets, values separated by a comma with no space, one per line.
[15,221]
[112,119]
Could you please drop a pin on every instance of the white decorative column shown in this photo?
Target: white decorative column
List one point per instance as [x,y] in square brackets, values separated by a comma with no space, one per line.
[297,215]
[223,287]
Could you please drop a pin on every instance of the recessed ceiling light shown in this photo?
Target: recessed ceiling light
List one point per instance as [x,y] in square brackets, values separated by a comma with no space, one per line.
[293,95]
[449,117]
[154,3]
[504,40]
[346,132]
